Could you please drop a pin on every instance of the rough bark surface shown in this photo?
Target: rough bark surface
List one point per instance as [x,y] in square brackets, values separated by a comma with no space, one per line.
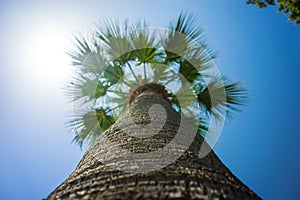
[189,177]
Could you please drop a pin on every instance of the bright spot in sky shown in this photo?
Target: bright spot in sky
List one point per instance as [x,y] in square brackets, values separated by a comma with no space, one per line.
[46,55]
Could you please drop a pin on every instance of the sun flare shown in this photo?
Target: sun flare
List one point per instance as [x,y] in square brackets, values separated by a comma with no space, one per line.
[49,62]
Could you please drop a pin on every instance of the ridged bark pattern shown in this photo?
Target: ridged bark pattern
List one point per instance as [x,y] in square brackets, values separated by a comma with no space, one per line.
[189,177]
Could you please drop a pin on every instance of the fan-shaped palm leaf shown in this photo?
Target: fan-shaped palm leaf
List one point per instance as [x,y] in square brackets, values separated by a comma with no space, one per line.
[88,87]
[89,57]
[115,38]
[184,32]
[212,98]
[144,44]
[91,124]
[113,74]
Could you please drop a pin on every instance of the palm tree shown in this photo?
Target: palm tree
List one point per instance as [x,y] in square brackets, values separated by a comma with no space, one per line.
[145,101]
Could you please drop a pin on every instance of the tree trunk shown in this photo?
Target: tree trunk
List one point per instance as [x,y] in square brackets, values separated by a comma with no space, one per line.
[123,163]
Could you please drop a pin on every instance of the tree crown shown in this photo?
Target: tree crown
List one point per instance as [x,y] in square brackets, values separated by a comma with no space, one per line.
[291,7]
[121,59]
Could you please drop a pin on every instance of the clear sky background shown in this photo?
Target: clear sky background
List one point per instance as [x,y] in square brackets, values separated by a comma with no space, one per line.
[261,145]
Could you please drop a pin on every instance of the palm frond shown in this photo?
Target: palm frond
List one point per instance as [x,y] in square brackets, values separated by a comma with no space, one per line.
[87,87]
[88,57]
[83,49]
[90,124]
[115,38]
[221,94]
[160,72]
[144,43]
[186,24]
[185,33]
[113,74]
[201,57]
[194,62]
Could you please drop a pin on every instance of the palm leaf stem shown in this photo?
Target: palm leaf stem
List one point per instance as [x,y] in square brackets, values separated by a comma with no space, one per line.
[136,78]
[145,76]
[120,78]
[118,92]
[118,106]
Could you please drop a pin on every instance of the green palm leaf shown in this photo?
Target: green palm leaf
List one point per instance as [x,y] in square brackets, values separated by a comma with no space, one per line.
[186,24]
[144,44]
[235,95]
[160,72]
[186,47]
[115,38]
[88,87]
[184,32]
[91,124]
[113,74]
[82,51]
[89,58]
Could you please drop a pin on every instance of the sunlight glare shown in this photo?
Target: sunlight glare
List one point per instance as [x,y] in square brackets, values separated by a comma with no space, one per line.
[49,62]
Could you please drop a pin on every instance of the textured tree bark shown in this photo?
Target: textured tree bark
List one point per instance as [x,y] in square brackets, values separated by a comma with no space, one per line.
[189,177]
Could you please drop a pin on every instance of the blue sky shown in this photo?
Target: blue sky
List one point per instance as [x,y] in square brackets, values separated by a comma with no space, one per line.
[261,145]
